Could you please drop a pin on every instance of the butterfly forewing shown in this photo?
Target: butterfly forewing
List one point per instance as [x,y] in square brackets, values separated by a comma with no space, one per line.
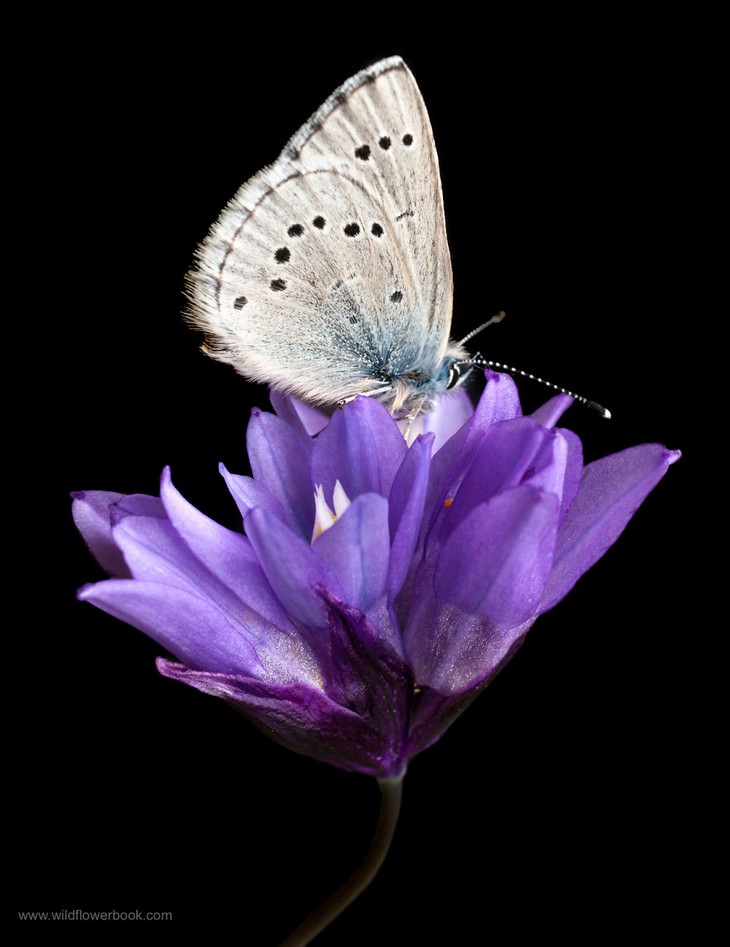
[329,272]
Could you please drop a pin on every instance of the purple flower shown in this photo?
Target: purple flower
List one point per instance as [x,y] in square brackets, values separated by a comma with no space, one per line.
[378,586]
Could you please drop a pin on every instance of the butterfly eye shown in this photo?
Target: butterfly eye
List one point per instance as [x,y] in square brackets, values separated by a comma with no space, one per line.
[454,376]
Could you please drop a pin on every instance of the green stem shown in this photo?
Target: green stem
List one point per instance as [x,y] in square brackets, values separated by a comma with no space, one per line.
[391,791]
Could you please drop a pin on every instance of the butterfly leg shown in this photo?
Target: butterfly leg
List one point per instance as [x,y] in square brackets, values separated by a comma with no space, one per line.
[365,394]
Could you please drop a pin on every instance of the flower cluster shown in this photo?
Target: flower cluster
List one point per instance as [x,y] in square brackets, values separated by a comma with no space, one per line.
[377,585]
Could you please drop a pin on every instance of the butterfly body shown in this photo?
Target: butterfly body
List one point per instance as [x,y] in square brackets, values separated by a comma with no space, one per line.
[328,275]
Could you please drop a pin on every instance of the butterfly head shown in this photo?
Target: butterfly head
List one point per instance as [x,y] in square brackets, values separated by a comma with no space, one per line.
[413,392]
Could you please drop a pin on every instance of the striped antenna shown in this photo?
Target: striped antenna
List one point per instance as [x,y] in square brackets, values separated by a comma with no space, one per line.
[479,362]
[493,321]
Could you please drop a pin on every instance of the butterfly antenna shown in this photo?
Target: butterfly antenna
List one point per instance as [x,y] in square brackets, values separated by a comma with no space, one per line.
[480,362]
[498,318]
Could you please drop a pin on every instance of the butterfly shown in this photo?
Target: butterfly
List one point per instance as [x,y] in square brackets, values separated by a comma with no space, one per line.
[328,275]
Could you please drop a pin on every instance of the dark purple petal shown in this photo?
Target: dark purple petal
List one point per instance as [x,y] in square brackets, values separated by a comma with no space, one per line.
[302,417]
[369,675]
[406,505]
[91,513]
[610,492]
[498,562]
[356,548]
[291,567]
[186,625]
[361,447]
[280,459]
[550,413]
[382,617]
[301,718]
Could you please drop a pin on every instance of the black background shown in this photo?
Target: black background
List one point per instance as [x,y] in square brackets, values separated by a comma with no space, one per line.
[565,802]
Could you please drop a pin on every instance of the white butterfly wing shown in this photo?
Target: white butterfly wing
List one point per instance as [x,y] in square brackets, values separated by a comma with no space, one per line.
[329,274]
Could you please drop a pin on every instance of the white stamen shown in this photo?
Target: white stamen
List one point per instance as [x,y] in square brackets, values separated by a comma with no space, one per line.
[340,499]
[324,517]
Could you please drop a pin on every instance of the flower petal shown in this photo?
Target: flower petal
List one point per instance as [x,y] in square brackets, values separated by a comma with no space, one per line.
[225,553]
[301,718]
[460,651]
[573,468]
[502,460]
[221,550]
[511,453]
[499,402]
[138,504]
[91,512]
[370,675]
[361,447]
[406,505]
[302,417]
[450,413]
[498,562]
[249,493]
[550,413]
[291,567]
[549,465]
[434,711]
[356,548]
[610,492]
[186,625]
[280,459]
[155,552]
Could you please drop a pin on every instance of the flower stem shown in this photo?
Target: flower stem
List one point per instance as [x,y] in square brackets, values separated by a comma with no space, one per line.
[391,791]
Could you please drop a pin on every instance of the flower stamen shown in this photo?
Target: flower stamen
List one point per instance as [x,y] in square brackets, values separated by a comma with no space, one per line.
[324,517]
